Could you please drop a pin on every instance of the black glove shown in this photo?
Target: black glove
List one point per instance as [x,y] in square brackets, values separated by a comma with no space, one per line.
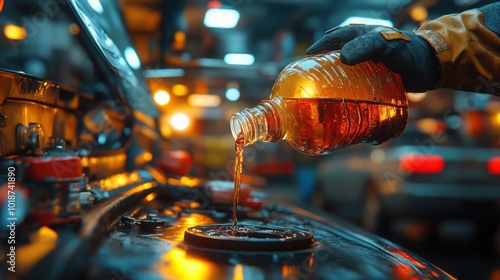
[401,51]
[491,17]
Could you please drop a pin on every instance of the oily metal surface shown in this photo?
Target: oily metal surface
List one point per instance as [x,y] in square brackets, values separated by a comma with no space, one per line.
[338,248]
[124,249]
[248,238]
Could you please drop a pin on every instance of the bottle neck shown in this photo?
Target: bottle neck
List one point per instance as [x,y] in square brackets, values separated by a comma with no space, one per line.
[263,122]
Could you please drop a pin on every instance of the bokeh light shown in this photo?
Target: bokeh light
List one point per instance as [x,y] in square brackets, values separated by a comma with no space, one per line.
[179,121]
[161,97]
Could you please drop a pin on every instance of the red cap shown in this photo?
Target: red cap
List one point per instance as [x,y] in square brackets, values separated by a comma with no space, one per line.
[222,193]
[41,168]
[175,162]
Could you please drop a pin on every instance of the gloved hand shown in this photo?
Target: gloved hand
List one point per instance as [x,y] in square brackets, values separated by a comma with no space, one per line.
[401,51]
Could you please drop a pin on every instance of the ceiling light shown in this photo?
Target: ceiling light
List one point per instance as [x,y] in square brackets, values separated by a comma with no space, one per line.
[96,5]
[164,73]
[161,97]
[368,21]
[239,58]
[232,94]
[132,58]
[179,121]
[221,18]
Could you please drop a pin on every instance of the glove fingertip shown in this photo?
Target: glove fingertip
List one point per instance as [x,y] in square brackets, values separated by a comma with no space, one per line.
[334,39]
[323,46]
[312,50]
[346,58]
[351,55]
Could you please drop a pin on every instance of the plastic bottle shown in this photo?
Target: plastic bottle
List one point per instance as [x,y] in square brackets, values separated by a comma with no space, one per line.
[320,105]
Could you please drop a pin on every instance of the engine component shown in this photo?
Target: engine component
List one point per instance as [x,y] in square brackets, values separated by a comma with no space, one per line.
[248,238]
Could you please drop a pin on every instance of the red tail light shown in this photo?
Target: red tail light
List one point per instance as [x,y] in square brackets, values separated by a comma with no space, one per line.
[418,163]
[494,165]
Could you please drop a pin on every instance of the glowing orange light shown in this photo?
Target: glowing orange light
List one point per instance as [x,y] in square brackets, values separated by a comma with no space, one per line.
[285,271]
[180,90]
[118,180]
[183,266]
[238,272]
[150,197]
[143,158]
[14,32]
[165,129]
[497,119]
[179,41]
[74,29]
[419,13]
[180,36]
[495,274]
[194,205]
[310,264]
[427,125]
[41,243]
[147,156]
[1,5]
[189,181]
[408,257]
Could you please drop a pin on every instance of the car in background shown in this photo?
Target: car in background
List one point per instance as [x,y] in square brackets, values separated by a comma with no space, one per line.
[431,173]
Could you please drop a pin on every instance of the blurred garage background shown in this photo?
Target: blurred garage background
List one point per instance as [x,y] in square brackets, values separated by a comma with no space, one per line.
[435,189]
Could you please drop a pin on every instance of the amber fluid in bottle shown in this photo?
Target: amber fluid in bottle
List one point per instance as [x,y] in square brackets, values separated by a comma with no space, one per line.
[320,105]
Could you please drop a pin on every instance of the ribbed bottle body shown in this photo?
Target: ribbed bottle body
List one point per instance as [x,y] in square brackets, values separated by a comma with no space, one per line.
[326,105]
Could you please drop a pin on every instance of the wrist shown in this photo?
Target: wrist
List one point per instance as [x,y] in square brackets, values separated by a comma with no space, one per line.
[437,44]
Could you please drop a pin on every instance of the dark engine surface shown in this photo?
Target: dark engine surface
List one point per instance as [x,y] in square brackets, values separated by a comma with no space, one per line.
[140,235]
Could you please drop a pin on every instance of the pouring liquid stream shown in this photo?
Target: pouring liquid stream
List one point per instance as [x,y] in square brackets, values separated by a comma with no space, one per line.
[238,167]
